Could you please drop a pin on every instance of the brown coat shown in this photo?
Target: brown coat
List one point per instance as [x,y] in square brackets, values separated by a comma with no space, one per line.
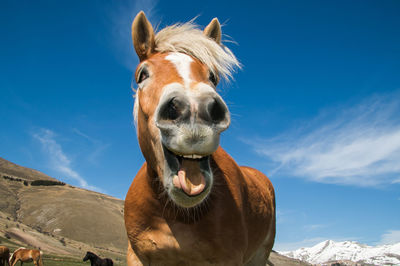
[228,230]
[4,255]
[27,255]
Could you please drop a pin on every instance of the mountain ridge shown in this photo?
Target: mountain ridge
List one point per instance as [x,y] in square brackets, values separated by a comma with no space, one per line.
[331,251]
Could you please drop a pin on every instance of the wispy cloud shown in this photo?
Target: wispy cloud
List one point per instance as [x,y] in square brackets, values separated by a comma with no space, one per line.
[353,146]
[314,227]
[80,133]
[121,17]
[390,237]
[58,160]
[98,147]
[286,216]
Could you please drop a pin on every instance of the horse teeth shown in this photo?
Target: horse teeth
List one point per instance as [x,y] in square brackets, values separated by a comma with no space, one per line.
[192,156]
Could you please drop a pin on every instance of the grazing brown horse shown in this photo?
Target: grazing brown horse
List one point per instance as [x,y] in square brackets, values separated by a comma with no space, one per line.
[4,255]
[190,203]
[27,255]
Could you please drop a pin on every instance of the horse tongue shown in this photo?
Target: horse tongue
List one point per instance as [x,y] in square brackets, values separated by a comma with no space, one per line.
[190,177]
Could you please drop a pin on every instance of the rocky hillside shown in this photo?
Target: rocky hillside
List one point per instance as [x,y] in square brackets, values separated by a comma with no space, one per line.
[40,211]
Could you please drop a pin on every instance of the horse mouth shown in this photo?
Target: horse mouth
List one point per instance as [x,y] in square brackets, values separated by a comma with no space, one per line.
[189,177]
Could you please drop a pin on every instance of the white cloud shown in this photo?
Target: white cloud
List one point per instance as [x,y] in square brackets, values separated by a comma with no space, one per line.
[390,237]
[58,160]
[353,146]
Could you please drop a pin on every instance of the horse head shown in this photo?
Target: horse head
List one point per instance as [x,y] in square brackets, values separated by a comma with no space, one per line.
[89,255]
[179,115]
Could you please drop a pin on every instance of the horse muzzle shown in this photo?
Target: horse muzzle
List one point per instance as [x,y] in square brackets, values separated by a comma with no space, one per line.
[190,126]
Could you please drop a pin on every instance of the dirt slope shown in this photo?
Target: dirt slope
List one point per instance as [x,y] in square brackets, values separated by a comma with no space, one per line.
[58,210]
[15,170]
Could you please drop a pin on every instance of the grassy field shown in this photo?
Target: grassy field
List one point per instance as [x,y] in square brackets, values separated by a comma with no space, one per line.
[48,260]
[56,261]
[51,260]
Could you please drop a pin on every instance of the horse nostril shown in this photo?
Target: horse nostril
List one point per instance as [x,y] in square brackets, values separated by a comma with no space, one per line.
[173,109]
[217,110]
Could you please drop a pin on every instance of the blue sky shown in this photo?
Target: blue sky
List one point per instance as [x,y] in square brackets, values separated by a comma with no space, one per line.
[316,106]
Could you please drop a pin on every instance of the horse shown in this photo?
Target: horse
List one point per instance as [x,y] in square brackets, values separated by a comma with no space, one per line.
[190,203]
[4,255]
[27,255]
[96,260]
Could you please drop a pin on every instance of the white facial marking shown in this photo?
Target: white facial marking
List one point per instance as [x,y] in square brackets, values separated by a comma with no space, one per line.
[182,63]
[203,88]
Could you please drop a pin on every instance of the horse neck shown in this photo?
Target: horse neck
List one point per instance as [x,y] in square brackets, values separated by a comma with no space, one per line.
[12,257]
[153,180]
[91,257]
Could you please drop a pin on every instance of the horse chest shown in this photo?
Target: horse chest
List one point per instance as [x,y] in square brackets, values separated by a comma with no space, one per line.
[177,244]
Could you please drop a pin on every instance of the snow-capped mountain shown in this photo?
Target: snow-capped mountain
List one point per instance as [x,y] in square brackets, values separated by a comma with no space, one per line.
[348,251]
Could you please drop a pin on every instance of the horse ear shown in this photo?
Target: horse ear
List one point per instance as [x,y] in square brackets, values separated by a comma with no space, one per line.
[142,36]
[213,30]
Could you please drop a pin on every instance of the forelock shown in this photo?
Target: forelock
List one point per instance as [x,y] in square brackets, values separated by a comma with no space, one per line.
[187,38]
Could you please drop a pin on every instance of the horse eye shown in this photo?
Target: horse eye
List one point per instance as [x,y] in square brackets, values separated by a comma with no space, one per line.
[213,78]
[142,75]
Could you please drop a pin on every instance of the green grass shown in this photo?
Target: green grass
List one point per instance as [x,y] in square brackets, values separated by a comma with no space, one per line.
[8,243]
[48,260]
[52,261]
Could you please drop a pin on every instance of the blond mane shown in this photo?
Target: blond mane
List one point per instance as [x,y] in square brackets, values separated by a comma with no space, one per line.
[189,39]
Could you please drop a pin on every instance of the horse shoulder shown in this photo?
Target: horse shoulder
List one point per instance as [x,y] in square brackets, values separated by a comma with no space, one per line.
[258,184]
[109,262]
[248,182]
[35,254]
[261,212]
[254,194]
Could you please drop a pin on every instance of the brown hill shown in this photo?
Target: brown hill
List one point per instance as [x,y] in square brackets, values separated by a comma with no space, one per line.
[11,169]
[39,211]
